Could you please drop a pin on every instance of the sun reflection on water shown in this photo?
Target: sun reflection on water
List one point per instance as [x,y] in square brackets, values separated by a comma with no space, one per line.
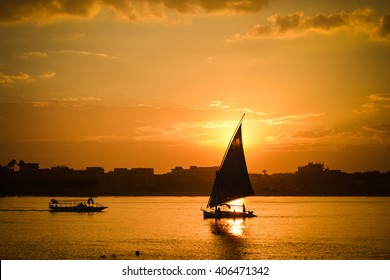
[230,238]
[229,227]
[236,227]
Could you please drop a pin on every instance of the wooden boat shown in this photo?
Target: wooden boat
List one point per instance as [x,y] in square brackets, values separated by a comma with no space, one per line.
[231,183]
[75,205]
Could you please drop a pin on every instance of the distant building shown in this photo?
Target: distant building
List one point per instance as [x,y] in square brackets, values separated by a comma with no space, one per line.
[142,171]
[120,171]
[95,171]
[205,173]
[311,168]
[61,170]
[28,167]
[177,170]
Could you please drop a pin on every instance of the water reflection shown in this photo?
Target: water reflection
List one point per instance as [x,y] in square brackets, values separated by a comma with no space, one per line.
[229,227]
[229,237]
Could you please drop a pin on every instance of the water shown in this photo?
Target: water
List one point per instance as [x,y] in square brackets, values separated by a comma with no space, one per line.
[173,228]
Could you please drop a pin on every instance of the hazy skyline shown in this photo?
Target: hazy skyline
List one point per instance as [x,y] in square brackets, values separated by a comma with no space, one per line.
[164,83]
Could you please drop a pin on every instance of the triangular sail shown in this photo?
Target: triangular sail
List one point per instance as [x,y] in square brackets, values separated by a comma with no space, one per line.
[232,179]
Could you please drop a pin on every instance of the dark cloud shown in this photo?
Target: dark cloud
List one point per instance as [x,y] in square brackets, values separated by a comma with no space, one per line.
[215,5]
[384,30]
[327,22]
[298,25]
[46,11]
[287,23]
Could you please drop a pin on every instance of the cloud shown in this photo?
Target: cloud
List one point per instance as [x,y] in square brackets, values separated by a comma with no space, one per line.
[76,101]
[89,98]
[278,137]
[47,11]
[303,136]
[66,102]
[48,75]
[312,134]
[9,77]
[87,53]
[218,105]
[28,55]
[104,138]
[374,103]
[292,119]
[381,132]
[384,29]
[298,25]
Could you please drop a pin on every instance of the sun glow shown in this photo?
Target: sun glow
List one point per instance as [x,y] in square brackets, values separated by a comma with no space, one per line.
[236,227]
[99,97]
[237,205]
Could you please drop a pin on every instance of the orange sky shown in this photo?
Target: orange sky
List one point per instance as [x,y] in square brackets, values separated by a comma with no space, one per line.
[163,83]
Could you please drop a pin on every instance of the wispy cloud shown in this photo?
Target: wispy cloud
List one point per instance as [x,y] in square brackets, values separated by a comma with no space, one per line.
[374,103]
[105,138]
[325,139]
[155,133]
[292,119]
[88,53]
[217,105]
[380,132]
[75,102]
[10,77]
[298,25]
[48,11]
[308,140]
[77,99]
[301,136]
[48,75]
[67,102]
[28,55]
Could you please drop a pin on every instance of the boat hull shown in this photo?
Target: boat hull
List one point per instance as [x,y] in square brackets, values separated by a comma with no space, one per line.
[226,214]
[77,209]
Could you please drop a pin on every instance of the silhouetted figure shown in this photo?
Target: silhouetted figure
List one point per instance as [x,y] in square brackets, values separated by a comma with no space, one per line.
[113,256]
[137,253]
[90,201]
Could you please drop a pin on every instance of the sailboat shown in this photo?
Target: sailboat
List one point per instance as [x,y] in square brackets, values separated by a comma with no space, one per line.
[231,183]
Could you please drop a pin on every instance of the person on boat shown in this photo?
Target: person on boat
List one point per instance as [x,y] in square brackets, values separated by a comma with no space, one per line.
[218,211]
[243,209]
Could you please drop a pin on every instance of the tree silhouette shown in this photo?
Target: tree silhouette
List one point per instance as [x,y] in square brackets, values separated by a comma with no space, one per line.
[11,165]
